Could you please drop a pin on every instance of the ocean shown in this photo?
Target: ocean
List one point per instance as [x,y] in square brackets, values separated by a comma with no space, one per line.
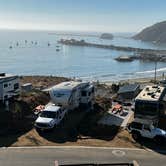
[35,57]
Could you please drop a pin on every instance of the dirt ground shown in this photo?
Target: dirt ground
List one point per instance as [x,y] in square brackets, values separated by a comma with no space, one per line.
[70,132]
[42,81]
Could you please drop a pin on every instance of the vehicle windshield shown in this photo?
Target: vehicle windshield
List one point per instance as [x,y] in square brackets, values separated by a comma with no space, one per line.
[48,114]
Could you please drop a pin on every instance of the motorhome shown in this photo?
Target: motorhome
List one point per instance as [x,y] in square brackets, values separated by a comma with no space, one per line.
[73,94]
[9,86]
[149,104]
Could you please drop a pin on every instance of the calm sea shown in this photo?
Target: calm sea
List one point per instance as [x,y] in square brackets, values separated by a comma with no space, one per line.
[35,57]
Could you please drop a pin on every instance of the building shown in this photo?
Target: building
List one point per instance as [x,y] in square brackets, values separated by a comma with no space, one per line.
[9,86]
[26,87]
[129,91]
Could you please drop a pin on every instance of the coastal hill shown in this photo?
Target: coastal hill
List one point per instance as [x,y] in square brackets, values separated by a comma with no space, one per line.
[155,33]
[107,36]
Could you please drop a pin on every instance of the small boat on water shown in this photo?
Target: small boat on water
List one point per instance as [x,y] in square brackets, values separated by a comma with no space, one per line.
[57,49]
[17,44]
[124,58]
[49,44]
[10,47]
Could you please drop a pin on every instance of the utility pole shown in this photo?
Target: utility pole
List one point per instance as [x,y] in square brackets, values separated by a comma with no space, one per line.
[155,72]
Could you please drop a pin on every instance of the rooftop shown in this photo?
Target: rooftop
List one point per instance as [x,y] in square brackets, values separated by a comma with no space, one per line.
[67,85]
[151,93]
[52,108]
[128,88]
[4,75]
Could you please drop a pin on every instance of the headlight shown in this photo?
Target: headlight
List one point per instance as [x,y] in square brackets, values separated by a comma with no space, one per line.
[52,123]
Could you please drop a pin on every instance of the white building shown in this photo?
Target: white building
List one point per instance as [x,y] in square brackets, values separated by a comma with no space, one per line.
[9,86]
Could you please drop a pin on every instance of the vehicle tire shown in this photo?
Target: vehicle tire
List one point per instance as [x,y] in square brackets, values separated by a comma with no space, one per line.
[136,135]
[159,140]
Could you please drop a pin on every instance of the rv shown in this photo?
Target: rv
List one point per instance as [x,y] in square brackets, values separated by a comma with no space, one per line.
[9,86]
[64,97]
[73,94]
[149,104]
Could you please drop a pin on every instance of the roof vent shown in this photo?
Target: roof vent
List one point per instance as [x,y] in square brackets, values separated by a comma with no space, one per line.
[147,88]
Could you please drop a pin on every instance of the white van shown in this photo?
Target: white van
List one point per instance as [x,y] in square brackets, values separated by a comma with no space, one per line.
[51,116]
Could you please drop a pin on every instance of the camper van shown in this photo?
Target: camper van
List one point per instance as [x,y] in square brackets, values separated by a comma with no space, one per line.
[73,94]
[149,104]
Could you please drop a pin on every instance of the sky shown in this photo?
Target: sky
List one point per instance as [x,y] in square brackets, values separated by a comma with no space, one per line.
[81,15]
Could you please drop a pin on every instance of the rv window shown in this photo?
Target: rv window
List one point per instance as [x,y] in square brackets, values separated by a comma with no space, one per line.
[83,93]
[59,94]
[146,108]
[89,93]
[6,96]
[16,86]
[5,85]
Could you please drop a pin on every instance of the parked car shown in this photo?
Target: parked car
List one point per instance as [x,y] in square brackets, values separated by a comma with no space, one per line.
[139,130]
[51,116]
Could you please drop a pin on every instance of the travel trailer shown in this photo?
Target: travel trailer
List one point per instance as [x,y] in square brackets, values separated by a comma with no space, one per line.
[149,104]
[9,86]
[73,94]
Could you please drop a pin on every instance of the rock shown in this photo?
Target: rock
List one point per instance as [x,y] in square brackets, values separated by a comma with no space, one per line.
[107,36]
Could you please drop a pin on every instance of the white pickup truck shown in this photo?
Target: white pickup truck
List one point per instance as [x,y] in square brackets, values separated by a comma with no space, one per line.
[50,117]
[149,131]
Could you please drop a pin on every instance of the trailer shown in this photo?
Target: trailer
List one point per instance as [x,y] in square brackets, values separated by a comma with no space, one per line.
[73,94]
[150,104]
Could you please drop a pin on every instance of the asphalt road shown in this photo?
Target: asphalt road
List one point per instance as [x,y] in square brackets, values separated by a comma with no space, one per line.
[72,155]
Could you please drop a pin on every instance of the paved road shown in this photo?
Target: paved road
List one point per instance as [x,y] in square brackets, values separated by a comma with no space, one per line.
[47,156]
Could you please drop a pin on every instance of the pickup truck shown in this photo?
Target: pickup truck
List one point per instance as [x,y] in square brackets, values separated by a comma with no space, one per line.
[51,116]
[139,130]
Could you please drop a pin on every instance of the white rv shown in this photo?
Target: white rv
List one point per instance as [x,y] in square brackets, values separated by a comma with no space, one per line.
[73,94]
[9,86]
[149,104]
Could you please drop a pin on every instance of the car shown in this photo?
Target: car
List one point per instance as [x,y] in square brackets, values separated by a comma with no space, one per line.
[50,117]
[139,130]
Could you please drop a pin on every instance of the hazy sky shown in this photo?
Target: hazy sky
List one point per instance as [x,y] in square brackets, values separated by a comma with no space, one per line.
[81,15]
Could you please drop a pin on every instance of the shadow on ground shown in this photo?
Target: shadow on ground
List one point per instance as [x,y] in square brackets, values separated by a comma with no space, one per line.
[152,145]
[11,129]
[80,125]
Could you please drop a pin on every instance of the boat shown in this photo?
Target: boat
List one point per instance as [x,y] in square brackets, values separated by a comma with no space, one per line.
[124,59]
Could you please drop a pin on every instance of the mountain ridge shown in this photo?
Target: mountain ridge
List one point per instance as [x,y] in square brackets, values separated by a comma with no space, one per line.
[155,33]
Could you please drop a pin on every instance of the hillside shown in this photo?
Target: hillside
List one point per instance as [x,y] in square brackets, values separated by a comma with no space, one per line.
[155,33]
